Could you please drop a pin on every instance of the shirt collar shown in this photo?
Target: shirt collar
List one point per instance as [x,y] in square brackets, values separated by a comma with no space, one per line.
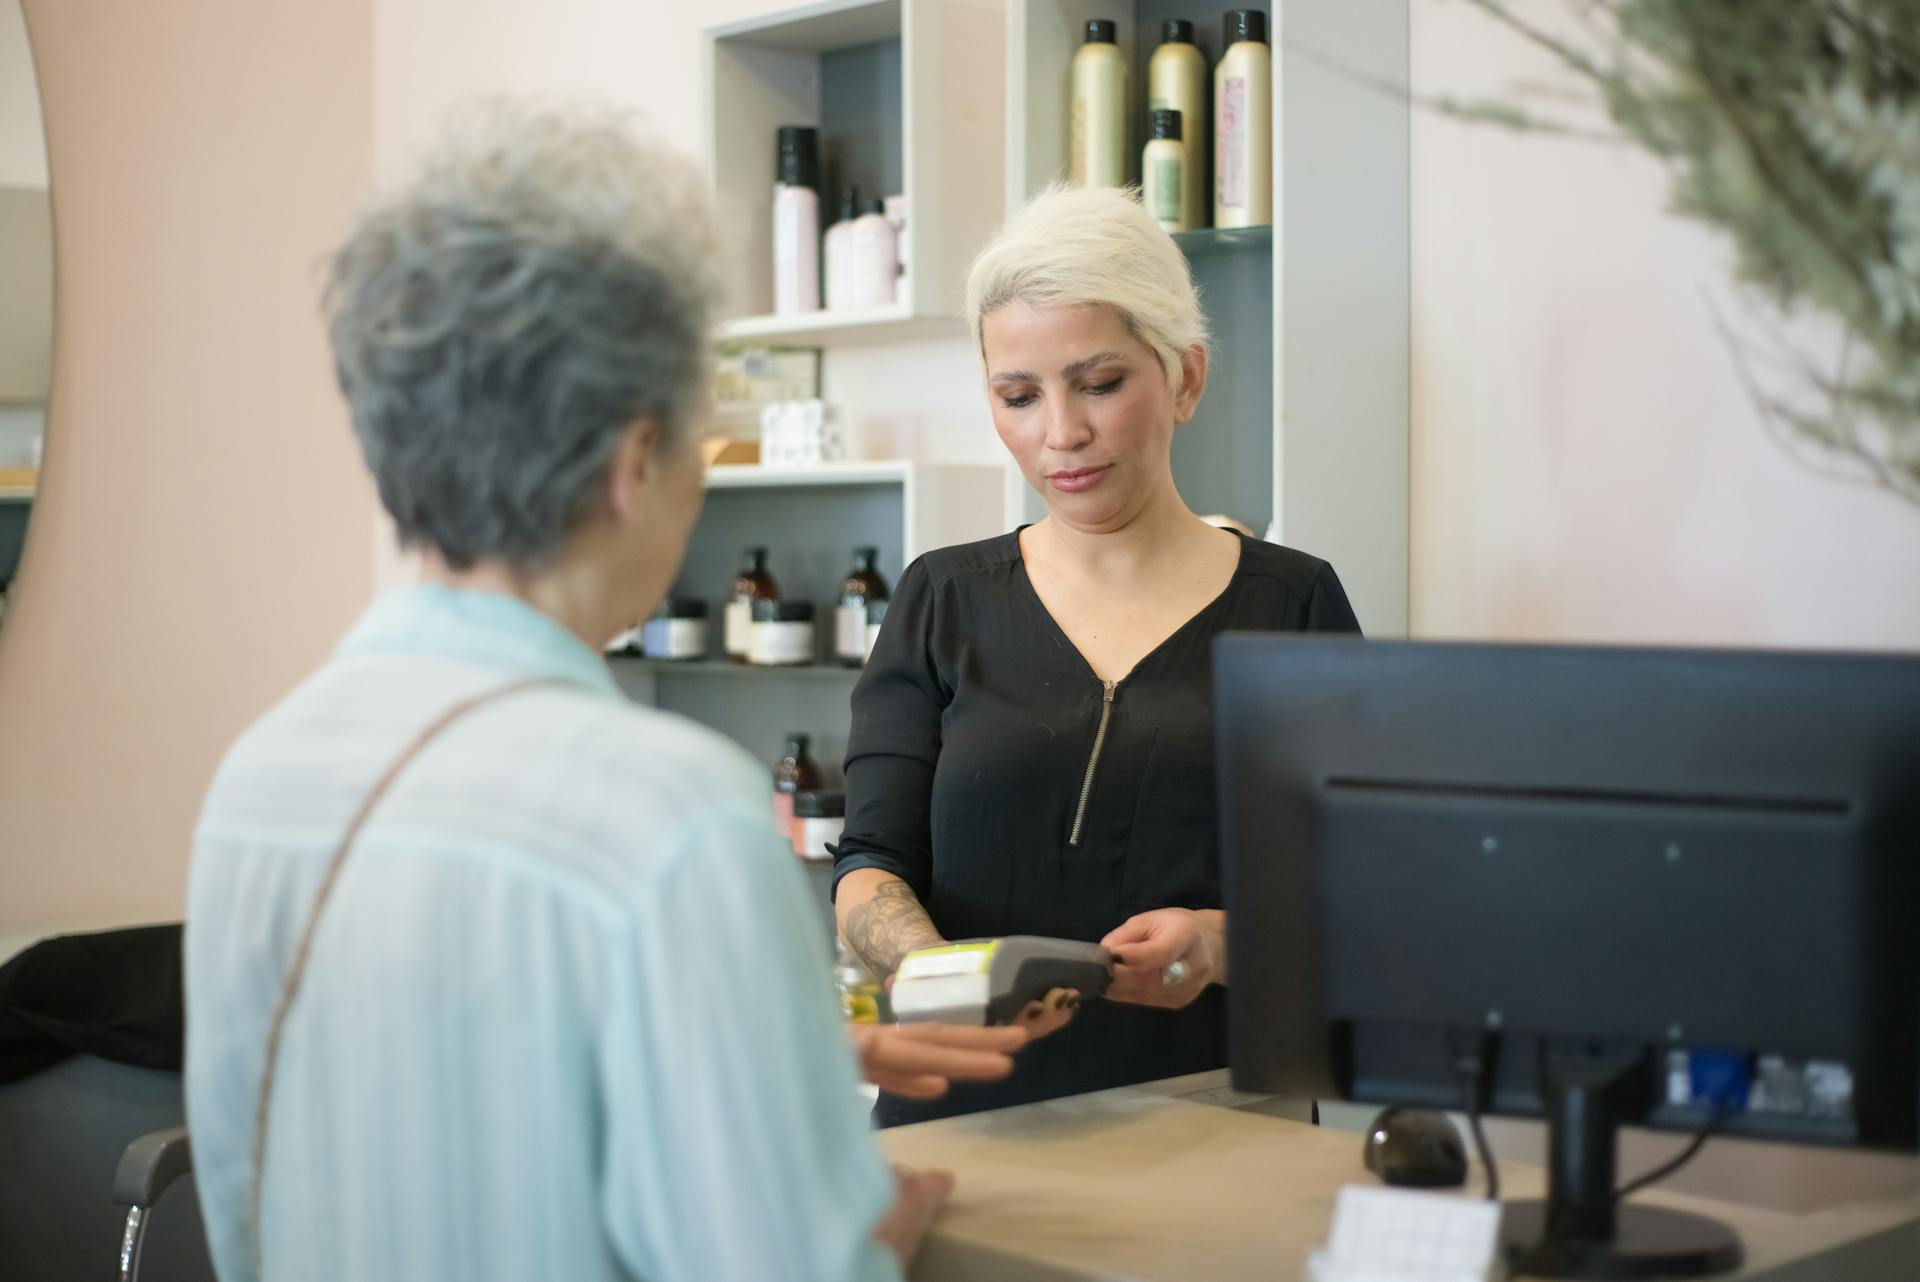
[486,628]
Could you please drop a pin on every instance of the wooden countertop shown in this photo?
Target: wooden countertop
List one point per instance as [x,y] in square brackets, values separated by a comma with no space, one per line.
[1162,1183]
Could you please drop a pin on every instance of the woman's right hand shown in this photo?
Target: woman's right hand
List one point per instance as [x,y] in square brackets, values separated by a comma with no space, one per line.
[918,1198]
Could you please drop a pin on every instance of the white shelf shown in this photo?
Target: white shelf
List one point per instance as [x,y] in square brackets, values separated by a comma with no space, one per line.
[818,28]
[894,323]
[753,476]
[711,667]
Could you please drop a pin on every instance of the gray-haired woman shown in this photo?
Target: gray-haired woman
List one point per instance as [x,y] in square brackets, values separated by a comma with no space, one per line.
[491,973]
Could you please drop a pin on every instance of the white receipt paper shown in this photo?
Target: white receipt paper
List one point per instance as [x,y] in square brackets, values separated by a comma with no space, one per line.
[1396,1235]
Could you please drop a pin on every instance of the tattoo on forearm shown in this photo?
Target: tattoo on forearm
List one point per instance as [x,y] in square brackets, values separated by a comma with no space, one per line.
[888,927]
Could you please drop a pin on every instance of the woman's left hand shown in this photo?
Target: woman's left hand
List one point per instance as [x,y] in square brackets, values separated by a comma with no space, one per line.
[1146,945]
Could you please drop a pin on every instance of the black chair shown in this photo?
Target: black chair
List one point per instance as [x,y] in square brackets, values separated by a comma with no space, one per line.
[91,1028]
[63,1134]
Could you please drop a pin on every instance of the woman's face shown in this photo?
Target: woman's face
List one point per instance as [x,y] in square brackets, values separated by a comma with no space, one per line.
[1085,409]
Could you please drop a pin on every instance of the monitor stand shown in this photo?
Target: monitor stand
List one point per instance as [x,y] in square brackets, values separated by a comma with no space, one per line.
[1579,1231]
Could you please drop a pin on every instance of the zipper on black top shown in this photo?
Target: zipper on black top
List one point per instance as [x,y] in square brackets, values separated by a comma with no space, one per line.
[1093,762]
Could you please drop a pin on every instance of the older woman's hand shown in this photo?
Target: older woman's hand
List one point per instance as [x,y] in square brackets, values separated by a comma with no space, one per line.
[918,1061]
[1193,942]
[1050,1014]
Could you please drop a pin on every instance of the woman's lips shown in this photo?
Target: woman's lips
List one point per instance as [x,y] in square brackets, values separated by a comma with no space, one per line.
[1080,478]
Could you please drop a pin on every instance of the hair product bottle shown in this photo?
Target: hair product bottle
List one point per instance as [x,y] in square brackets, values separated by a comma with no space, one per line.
[860,594]
[840,253]
[752,584]
[796,221]
[1099,144]
[1164,176]
[875,254]
[795,773]
[1243,124]
[1177,81]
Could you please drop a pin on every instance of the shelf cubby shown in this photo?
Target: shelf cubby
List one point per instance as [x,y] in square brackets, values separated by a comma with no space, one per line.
[907,97]
[810,519]
[1306,419]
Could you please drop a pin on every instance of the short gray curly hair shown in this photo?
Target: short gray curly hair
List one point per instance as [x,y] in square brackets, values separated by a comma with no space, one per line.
[498,323]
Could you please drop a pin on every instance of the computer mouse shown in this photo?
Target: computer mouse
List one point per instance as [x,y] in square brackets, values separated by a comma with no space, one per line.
[1416,1149]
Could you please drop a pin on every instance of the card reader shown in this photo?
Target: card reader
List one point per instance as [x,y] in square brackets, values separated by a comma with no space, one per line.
[989,981]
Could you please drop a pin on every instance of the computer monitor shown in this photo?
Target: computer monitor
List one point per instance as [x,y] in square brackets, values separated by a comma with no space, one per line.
[1676,888]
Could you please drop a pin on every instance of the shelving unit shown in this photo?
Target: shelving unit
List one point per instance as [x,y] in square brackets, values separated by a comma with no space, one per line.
[16,507]
[907,96]
[1305,421]
[811,519]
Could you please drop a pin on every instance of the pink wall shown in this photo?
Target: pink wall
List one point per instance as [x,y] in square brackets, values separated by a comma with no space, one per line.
[204,532]
[1586,464]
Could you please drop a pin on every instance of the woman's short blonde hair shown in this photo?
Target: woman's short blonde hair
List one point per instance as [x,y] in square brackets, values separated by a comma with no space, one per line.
[1092,247]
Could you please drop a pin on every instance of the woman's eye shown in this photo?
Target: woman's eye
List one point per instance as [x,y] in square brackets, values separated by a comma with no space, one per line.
[1105,389]
[1017,402]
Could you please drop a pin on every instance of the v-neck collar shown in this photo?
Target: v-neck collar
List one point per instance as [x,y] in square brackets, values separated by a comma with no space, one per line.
[1033,598]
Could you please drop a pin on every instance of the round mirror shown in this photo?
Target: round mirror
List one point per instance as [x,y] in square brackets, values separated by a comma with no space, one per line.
[26,289]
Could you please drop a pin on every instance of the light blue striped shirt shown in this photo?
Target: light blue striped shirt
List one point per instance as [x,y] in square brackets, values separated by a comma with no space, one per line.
[568,1014]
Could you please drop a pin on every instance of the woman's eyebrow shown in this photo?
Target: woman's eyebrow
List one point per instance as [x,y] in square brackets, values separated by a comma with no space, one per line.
[1086,363]
[1072,371]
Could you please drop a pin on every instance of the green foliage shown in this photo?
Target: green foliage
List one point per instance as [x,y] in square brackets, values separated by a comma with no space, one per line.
[1792,126]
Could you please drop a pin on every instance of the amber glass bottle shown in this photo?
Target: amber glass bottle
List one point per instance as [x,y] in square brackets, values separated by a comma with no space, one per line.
[753,583]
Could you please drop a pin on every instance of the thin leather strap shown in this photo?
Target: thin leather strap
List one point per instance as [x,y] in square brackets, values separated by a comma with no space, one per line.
[290,988]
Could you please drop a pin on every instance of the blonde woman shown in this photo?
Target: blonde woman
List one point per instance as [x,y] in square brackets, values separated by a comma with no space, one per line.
[1032,742]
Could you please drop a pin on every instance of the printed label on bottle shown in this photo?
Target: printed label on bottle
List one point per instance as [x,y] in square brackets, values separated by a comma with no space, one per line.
[850,632]
[781,644]
[1077,148]
[674,638]
[739,638]
[783,812]
[873,635]
[687,638]
[1233,143]
[815,834]
[1163,189]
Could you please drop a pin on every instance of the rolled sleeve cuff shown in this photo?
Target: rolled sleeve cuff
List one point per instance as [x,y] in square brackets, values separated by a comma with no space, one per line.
[849,861]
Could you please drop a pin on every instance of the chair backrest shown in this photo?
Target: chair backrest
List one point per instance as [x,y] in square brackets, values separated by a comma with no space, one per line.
[63,1131]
